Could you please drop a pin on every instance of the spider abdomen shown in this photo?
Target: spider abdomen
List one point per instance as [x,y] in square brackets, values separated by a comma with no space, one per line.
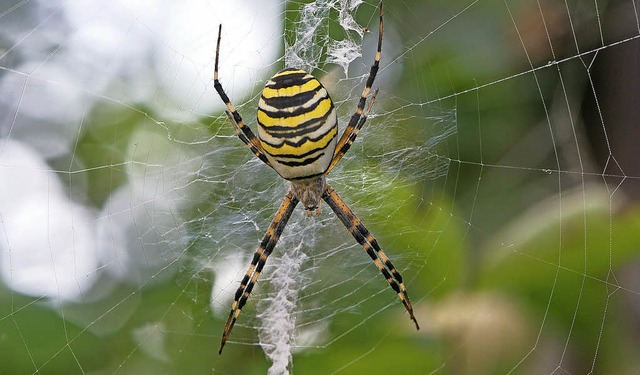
[297,125]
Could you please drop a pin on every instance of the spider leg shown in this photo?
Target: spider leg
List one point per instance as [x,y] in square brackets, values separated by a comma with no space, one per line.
[242,130]
[370,245]
[257,263]
[357,119]
[352,136]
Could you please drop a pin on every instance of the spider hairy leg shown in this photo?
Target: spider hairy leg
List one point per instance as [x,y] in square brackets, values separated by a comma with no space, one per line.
[240,135]
[250,278]
[371,246]
[357,119]
[242,130]
[352,137]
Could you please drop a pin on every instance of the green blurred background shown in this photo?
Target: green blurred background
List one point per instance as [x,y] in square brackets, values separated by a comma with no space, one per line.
[521,253]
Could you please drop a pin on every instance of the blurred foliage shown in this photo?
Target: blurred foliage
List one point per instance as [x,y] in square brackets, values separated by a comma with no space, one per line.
[522,262]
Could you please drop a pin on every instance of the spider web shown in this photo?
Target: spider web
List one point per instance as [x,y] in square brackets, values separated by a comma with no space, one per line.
[498,170]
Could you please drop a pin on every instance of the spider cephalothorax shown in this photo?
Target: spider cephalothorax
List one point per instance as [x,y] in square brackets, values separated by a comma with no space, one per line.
[297,129]
[309,192]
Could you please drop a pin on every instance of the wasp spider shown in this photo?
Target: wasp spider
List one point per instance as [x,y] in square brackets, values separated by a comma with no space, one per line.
[297,129]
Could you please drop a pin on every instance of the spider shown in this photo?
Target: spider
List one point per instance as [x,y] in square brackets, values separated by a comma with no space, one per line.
[297,129]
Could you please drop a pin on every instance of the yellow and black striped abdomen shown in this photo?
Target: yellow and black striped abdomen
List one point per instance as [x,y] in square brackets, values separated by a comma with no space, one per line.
[297,124]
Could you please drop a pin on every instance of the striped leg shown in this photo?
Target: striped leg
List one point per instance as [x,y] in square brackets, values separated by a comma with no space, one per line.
[257,263]
[339,153]
[357,119]
[242,130]
[370,245]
